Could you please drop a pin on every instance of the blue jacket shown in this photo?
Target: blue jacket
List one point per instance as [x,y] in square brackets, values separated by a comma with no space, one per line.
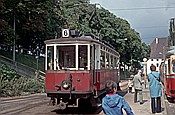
[154,85]
[113,104]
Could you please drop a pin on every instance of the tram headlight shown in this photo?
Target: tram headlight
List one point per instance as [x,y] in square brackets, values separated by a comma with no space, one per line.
[65,84]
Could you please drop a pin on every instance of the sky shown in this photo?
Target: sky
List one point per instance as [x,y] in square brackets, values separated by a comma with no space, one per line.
[150,18]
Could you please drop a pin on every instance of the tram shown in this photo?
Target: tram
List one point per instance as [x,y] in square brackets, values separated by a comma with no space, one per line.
[77,69]
[167,72]
[167,68]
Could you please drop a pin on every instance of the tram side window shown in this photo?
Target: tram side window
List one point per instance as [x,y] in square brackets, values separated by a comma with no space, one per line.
[66,56]
[115,62]
[102,60]
[50,58]
[173,66]
[107,61]
[168,66]
[82,56]
[112,61]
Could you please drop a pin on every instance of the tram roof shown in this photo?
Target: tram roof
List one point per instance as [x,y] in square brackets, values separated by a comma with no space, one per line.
[171,51]
[82,39]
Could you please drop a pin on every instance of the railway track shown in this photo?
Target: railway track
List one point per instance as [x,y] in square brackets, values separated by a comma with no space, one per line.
[36,103]
[17,105]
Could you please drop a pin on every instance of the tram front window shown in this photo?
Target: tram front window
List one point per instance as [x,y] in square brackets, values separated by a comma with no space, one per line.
[82,56]
[50,58]
[66,56]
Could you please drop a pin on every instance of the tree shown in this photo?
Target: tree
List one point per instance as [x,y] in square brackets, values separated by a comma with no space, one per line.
[37,21]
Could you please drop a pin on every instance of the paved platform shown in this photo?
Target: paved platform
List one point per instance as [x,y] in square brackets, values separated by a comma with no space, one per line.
[145,108]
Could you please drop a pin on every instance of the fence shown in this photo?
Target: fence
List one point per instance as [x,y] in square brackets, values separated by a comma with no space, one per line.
[21,68]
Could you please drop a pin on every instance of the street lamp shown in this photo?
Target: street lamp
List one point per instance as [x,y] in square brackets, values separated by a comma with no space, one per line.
[145,62]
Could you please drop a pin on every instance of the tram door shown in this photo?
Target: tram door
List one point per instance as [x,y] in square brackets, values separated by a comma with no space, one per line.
[93,60]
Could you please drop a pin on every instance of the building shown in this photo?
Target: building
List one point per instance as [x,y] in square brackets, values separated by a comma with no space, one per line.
[158,49]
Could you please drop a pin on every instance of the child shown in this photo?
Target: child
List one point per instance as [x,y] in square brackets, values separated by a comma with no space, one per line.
[130,86]
[112,103]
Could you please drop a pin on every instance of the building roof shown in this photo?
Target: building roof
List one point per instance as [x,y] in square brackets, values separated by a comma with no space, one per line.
[158,47]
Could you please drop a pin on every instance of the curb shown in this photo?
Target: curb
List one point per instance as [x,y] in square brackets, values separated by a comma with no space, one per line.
[163,102]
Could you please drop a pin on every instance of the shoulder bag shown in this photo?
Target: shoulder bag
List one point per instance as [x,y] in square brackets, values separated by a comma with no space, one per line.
[157,79]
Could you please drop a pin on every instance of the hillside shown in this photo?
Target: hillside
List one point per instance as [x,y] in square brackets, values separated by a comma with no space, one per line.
[25,59]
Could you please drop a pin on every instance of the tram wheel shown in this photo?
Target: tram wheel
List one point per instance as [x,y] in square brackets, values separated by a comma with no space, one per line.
[170,99]
[85,104]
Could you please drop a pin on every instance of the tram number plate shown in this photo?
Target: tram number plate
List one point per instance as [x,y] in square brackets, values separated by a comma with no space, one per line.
[65,33]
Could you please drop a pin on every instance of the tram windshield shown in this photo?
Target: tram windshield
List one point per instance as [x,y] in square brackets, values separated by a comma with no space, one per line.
[65,57]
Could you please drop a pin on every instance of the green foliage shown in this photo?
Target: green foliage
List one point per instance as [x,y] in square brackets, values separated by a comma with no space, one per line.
[37,21]
[6,33]
[12,84]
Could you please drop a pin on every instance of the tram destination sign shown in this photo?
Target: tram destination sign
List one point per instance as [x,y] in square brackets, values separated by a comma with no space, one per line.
[65,33]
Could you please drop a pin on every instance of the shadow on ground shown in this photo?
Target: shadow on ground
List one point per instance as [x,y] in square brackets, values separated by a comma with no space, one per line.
[85,110]
[122,93]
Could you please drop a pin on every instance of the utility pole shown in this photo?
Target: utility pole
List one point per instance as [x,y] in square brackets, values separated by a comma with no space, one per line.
[14,29]
[37,59]
[172,32]
[92,15]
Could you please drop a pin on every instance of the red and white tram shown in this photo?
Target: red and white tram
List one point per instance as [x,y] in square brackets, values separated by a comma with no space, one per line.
[77,68]
[167,72]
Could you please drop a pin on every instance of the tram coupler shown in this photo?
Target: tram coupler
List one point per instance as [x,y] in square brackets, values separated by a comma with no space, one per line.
[62,105]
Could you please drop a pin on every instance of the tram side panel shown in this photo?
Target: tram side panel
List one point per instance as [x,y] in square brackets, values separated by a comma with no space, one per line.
[105,75]
[170,86]
[81,81]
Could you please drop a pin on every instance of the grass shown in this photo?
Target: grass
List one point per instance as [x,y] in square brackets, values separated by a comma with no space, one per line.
[25,59]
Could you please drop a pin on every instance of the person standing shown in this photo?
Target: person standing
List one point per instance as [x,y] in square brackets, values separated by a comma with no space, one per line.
[138,87]
[112,103]
[155,89]
[129,86]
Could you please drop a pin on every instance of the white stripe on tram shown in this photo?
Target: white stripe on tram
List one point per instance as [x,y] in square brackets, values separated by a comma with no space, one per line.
[170,76]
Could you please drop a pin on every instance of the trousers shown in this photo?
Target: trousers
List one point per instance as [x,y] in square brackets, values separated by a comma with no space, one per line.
[140,95]
[156,107]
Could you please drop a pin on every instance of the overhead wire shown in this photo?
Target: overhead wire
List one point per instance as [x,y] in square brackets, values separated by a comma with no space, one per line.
[150,27]
[142,8]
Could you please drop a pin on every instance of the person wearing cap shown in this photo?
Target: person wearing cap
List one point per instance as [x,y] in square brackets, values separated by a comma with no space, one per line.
[112,103]
[155,89]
